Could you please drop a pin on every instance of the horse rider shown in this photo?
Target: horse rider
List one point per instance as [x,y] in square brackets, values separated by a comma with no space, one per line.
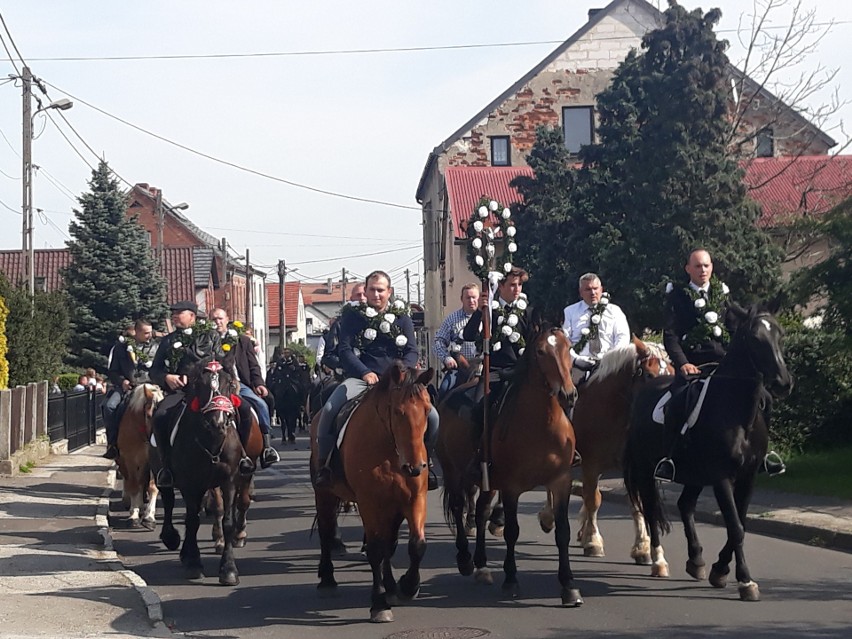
[593,326]
[699,320]
[252,388]
[173,380]
[377,350]
[286,374]
[130,360]
[449,343]
[329,359]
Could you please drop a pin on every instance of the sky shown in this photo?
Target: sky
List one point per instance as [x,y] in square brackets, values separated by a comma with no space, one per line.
[358,124]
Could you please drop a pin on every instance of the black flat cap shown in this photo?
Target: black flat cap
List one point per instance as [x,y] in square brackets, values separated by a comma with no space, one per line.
[184,306]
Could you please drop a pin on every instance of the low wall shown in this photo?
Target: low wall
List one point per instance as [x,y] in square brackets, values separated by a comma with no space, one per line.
[23,426]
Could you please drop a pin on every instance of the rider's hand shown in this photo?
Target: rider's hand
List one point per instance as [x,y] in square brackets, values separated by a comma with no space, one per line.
[126,385]
[689,369]
[175,381]
[261,390]
[371,378]
[450,363]
[483,302]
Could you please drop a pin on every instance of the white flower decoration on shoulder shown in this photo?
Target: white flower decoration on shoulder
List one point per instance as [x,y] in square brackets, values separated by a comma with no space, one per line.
[521,303]
[725,288]
[370,312]
[401,340]
[669,287]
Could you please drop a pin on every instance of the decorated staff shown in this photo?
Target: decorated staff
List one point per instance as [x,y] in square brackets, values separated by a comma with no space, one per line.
[488,218]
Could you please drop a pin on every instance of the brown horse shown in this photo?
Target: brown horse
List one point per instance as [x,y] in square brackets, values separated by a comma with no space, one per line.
[384,464]
[601,417]
[531,444]
[134,431]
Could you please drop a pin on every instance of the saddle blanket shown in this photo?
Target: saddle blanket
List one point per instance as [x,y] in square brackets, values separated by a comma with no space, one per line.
[659,413]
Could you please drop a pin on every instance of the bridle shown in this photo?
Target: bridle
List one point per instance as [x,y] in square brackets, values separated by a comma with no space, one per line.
[217,403]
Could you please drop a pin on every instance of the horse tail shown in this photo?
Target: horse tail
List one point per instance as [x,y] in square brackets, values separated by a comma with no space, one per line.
[642,488]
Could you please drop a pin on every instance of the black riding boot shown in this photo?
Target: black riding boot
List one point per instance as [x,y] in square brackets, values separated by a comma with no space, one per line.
[164,479]
[269,455]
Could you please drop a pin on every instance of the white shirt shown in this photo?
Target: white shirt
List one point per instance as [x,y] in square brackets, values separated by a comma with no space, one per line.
[613,331]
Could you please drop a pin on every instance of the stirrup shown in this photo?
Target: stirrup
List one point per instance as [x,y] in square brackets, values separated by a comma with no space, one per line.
[773,464]
[665,470]
[577,459]
[268,457]
[246,466]
[165,479]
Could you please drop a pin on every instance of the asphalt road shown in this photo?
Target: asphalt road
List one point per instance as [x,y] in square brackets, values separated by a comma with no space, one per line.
[805,590]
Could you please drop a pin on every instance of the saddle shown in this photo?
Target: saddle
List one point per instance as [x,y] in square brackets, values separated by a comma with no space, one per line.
[345,414]
[686,397]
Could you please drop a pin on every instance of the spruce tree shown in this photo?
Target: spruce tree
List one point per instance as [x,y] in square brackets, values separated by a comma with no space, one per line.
[658,183]
[113,279]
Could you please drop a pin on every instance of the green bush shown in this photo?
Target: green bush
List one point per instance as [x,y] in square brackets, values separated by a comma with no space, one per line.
[816,413]
[67,381]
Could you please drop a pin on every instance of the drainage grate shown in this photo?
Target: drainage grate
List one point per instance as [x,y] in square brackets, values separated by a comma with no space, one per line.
[441,633]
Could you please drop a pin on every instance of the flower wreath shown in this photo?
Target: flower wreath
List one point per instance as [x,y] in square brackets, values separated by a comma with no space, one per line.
[590,332]
[482,246]
[190,336]
[378,324]
[506,323]
[138,356]
[708,312]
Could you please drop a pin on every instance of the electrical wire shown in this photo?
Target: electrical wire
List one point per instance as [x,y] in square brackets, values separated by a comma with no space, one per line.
[347,257]
[16,212]
[287,233]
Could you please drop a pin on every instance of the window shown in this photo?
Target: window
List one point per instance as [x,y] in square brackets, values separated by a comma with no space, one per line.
[40,284]
[500,151]
[577,126]
[764,146]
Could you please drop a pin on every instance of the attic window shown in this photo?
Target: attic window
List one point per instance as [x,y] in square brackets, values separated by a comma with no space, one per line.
[500,151]
[764,146]
[577,126]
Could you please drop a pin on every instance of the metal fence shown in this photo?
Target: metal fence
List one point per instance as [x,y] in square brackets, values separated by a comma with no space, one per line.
[75,416]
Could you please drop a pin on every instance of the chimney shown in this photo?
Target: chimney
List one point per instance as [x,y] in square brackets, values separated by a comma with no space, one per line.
[594,12]
[329,286]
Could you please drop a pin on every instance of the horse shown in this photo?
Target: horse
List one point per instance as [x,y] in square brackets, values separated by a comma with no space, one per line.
[205,454]
[290,392]
[601,416]
[134,431]
[723,448]
[532,444]
[384,464]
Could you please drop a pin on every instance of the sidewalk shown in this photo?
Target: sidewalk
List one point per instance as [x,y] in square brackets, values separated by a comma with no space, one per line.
[59,576]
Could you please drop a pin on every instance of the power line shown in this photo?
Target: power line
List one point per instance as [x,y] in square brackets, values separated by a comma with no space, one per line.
[286,233]
[10,208]
[234,165]
[348,257]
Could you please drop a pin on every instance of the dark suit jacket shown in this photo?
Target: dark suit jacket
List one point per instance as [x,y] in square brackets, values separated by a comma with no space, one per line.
[375,356]
[248,368]
[507,356]
[681,316]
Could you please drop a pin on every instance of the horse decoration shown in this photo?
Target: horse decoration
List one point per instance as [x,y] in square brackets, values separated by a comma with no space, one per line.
[134,431]
[206,452]
[384,463]
[723,448]
[600,418]
[531,444]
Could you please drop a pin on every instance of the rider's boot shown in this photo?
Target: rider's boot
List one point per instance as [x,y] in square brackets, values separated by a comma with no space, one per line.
[773,464]
[111,452]
[164,478]
[269,455]
[433,478]
[665,470]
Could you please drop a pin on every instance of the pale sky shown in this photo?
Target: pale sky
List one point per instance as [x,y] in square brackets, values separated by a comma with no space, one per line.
[360,124]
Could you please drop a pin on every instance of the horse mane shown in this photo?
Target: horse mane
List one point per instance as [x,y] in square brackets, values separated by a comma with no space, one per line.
[138,397]
[409,385]
[614,362]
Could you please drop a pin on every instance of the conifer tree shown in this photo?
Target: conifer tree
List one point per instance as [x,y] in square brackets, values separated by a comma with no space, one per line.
[113,279]
[659,182]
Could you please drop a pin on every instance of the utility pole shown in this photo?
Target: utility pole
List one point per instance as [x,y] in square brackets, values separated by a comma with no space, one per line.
[407,286]
[282,322]
[343,286]
[249,292]
[227,304]
[27,255]
[419,300]
[161,223]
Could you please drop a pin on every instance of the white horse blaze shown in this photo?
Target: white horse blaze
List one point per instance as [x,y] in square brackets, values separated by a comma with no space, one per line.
[766,324]
[552,340]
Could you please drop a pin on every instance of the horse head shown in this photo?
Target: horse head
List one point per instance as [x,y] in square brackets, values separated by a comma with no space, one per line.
[760,335]
[212,392]
[652,359]
[408,401]
[550,352]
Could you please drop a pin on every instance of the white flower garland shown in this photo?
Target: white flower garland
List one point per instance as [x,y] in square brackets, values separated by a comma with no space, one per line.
[590,332]
[506,324]
[379,324]
[488,217]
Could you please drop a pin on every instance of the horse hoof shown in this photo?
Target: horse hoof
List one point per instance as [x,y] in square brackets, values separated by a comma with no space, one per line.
[749,591]
[406,592]
[465,568]
[512,589]
[593,551]
[546,522]
[496,530]
[170,538]
[381,616]
[240,542]
[643,560]
[135,523]
[660,570]
[696,571]
[194,573]
[571,598]
[483,576]
[718,579]
[470,531]
[150,524]
[229,578]
[219,548]
[338,547]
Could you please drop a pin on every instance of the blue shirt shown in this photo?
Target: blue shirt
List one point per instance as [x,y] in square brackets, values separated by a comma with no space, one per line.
[376,355]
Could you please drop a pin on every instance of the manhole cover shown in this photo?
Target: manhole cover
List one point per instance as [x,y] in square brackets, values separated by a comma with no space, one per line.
[440,633]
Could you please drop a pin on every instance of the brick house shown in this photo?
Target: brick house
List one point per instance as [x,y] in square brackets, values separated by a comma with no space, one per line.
[294,312]
[490,149]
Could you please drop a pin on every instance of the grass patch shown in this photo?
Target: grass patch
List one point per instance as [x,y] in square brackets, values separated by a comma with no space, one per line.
[27,468]
[826,473]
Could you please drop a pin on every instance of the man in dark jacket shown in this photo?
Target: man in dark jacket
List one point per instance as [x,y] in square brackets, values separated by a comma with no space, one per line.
[252,388]
[377,350]
[130,360]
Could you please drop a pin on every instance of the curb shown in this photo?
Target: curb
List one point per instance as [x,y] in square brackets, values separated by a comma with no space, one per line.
[759,523]
[153,604]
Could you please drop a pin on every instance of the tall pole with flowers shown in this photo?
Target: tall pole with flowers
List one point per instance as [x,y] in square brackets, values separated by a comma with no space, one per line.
[489,226]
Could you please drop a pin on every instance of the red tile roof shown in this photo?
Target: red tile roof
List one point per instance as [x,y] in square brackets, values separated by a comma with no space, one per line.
[48,262]
[179,271]
[319,293]
[291,304]
[467,184]
[788,187]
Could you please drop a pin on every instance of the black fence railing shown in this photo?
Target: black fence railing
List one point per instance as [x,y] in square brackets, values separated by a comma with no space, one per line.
[75,416]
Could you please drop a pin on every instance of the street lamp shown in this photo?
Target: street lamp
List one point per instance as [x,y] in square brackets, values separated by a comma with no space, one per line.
[27,247]
[161,222]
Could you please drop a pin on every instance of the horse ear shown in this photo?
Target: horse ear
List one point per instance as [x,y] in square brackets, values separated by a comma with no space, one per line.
[426,376]
[778,301]
[641,349]
[397,374]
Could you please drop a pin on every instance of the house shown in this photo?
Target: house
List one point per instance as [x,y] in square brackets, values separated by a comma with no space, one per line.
[294,315]
[490,149]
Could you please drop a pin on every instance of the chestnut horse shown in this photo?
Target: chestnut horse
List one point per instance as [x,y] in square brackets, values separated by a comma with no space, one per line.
[531,444]
[601,417]
[134,431]
[384,464]
[723,448]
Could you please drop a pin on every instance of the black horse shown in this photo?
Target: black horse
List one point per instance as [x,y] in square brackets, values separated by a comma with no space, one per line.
[724,448]
[206,454]
[289,384]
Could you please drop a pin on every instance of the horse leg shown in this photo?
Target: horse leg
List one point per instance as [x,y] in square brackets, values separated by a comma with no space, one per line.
[216,509]
[242,503]
[482,574]
[748,589]
[510,534]
[228,574]
[409,583]
[591,541]
[149,519]
[561,495]
[497,518]
[190,555]
[686,504]
[457,498]
[378,555]
[545,515]
[168,533]
[651,510]
[470,512]
[641,551]
[327,504]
